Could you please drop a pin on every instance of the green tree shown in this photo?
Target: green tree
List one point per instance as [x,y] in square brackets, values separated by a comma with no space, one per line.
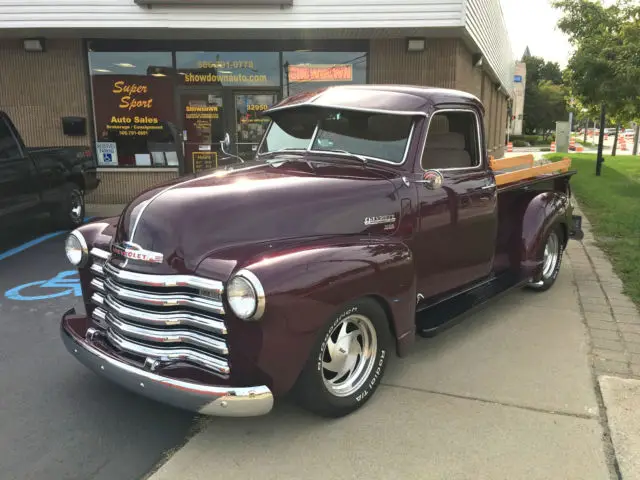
[538,104]
[604,69]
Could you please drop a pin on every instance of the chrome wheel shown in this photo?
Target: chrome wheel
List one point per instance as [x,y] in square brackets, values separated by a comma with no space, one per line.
[551,255]
[76,207]
[348,355]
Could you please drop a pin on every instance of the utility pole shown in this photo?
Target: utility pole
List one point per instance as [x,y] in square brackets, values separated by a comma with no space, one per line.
[599,159]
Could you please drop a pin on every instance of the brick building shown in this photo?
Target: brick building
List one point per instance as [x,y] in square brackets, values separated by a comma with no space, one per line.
[159,81]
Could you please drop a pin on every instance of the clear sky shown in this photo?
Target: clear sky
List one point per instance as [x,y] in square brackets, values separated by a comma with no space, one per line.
[533,23]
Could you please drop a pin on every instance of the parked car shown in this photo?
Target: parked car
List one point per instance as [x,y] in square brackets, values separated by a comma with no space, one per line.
[352,233]
[49,180]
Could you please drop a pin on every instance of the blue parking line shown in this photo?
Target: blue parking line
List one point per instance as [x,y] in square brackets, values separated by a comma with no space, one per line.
[36,241]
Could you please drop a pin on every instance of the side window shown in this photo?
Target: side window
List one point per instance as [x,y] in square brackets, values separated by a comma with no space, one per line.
[9,148]
[452,141]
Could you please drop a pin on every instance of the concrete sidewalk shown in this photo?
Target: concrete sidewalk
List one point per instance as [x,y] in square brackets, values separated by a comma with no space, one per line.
[508,394]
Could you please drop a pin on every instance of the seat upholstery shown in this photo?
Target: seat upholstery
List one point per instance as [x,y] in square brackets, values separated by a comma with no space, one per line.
[445,150]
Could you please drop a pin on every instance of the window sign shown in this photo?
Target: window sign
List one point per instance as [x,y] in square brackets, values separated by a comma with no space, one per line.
[308,70]
[134,108]
[228,68]
[320,73]
[107,154]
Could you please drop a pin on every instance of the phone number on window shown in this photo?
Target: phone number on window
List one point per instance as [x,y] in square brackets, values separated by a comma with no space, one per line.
[229,64]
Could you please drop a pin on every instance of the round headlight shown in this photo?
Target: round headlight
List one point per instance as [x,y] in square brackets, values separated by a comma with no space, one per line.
[246,296]
[76,249]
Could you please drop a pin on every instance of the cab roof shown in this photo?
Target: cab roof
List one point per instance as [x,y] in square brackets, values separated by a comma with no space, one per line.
[393,99]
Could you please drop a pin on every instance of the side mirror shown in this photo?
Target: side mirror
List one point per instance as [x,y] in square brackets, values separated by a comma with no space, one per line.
[225,143]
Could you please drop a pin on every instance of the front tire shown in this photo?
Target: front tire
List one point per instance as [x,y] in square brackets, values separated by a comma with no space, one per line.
[69,213]
[347,361]
[552,251]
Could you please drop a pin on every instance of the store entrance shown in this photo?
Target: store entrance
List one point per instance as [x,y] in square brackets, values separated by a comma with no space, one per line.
[207,114]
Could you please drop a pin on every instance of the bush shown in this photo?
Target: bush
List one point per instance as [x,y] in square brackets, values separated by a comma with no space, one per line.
[520,143]
[531,140]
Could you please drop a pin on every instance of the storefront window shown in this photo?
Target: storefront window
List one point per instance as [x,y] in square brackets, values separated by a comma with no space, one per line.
[228,69]
[134,109]
[305,71]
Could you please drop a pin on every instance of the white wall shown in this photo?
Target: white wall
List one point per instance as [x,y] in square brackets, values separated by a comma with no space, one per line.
[486,26]
[303,14]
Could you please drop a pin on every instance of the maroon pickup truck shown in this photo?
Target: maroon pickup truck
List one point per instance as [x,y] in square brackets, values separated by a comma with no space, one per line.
[370,215]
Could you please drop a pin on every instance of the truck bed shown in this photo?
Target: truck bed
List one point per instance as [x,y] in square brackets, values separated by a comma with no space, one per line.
[520,172]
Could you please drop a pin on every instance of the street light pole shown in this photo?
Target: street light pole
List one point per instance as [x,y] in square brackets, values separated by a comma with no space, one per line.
[599,159]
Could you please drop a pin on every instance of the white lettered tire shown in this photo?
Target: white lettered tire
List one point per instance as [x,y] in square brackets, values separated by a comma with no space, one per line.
[347,361]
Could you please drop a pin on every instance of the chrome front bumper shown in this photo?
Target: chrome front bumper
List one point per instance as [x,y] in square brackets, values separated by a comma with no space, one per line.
[203,399]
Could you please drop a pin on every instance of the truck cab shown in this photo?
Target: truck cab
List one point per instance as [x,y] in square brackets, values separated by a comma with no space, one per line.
[370,216]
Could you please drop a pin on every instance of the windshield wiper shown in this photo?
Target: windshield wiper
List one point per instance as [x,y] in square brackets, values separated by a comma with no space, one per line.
[353,155]
[279,161]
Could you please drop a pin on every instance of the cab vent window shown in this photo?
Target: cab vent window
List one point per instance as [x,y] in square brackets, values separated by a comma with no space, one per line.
[452,141]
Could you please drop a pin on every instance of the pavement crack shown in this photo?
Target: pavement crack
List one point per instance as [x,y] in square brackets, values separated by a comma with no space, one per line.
[496,402]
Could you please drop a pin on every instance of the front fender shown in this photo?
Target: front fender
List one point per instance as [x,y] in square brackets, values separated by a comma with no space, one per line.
[544,212]
[305,287]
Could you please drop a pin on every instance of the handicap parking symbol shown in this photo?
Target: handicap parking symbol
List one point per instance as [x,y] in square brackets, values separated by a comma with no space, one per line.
[64,283]
[107,157]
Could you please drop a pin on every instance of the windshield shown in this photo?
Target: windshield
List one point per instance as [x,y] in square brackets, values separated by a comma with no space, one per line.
[378,136]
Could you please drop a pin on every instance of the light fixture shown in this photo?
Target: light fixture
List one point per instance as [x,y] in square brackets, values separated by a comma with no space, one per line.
[101,70]
[33,44]
[415,44]
[125,65]
[477,60]
[158,75]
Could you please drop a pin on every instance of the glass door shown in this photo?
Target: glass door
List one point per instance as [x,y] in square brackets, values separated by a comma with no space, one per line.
[203,128]
[250,125]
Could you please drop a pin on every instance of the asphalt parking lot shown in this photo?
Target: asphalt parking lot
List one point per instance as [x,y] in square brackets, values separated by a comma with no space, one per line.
[57,419]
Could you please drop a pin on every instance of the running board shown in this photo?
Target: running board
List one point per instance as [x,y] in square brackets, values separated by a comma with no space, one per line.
[434,319]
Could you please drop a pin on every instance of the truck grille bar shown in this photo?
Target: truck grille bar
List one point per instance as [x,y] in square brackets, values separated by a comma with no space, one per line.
[163,318]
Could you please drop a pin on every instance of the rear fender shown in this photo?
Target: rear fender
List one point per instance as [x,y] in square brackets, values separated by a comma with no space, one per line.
[306,287]
[543,213]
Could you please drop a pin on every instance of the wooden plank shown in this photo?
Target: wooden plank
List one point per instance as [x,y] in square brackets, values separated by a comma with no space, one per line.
[553,167]
[503,163]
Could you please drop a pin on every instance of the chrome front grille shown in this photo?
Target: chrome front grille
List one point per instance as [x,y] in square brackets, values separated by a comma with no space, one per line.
[161,318]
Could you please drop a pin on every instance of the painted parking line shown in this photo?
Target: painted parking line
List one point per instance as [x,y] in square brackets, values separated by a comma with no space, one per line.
[36,241]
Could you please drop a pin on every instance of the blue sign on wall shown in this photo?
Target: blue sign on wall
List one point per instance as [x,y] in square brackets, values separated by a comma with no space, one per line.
[517,78]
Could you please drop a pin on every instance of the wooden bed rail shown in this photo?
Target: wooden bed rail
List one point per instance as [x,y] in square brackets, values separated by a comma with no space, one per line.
[511,162]
[532,172]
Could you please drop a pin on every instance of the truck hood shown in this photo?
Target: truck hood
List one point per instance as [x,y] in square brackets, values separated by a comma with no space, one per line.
[238,213]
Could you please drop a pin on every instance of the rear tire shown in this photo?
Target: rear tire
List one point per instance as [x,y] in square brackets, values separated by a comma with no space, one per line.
[69,213]
[347,361]
[551,251]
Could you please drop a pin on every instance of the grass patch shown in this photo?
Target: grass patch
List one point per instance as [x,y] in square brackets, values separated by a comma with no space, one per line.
[612,204]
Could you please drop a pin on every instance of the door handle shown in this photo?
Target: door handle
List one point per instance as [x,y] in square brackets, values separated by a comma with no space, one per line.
[488,187]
